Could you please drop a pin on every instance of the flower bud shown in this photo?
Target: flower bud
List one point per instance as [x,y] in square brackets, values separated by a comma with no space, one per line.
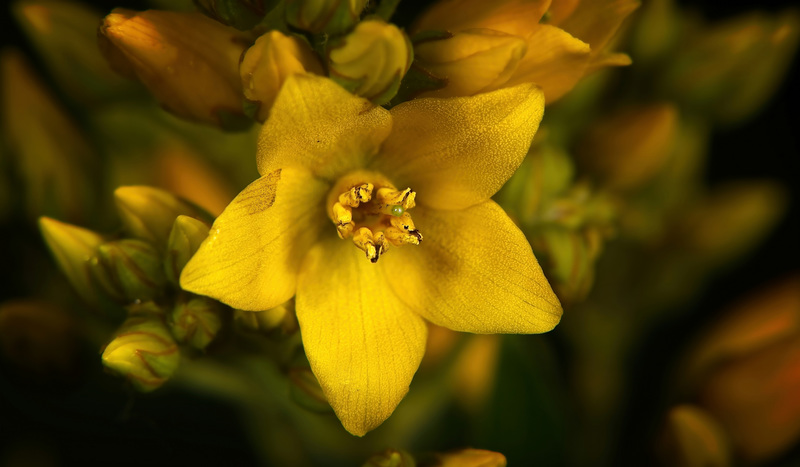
[73,248]
[371,60]
[49,151]
[628,148]
[64,34]
[281,317]
[471,61]
[130,270]
[185,238]
[733,219]
[188,61]
[143,351]
[470,458]
[731,69]
[268,63]
[241,14]
[692,438]
[568,261]
[195,320]
[148,213]
[329,16]
[391,458]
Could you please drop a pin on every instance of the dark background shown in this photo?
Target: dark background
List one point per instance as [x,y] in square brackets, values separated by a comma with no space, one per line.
[46,417]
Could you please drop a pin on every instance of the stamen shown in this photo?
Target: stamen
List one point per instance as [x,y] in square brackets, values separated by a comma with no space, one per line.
[374,216]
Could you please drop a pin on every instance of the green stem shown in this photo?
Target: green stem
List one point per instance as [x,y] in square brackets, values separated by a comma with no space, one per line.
[386,9]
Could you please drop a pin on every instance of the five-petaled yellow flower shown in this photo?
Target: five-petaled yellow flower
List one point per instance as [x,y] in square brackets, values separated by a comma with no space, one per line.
[336,172]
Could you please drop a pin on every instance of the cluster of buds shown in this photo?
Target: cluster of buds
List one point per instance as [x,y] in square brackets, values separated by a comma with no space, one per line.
[566,220]
[466,457]
[135,278]
[225,67]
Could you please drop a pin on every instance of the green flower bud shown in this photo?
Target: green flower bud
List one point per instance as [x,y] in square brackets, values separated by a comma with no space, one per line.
[185,238]
[470,458]
[129,270]
[195,321]
[148,213]
[353,60]
[50,153]
[241,14]
[568,259]
[391,458]
[73,248]
[267,64]
[188,61]
[324,16]
[64,34]
[143,351]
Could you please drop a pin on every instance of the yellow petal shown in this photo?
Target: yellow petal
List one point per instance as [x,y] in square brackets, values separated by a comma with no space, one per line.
[254,249]
[596,22]
[459,151]
[318,125]
[363,343]
[475,272]
[517,17]
[555,61]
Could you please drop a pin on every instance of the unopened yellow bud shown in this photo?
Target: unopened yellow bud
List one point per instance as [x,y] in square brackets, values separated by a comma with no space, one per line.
[371,61]
[148,213]
[628,148]
[130,270]
[73,248]
[391,458]
[470,458]
[267,64]
[329,16]
[241,14]
[64,33]
[143,351]
[50,152]
[185,238]
[471,62]
[188,61]
[195,321]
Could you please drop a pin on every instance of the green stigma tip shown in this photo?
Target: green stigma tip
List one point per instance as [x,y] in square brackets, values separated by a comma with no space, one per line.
[397,210]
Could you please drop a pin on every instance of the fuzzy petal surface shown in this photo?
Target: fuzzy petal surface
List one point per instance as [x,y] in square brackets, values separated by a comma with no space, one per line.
[318,125]
[474,272]
[254,249]
[363,343]
[457,152]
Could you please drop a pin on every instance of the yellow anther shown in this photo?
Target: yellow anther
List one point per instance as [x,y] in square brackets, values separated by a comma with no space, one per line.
[364,239]
[399,237]
[402,222]
[357,195]
[343,217]
[390,196]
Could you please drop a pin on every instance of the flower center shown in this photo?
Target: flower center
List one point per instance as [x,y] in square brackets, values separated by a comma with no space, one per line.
[366,207]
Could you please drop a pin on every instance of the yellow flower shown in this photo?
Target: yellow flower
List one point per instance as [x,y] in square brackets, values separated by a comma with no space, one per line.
[331,163]
[565,39]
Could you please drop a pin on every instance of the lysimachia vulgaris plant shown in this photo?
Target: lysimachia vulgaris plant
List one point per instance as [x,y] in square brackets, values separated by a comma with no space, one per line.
[464,232]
